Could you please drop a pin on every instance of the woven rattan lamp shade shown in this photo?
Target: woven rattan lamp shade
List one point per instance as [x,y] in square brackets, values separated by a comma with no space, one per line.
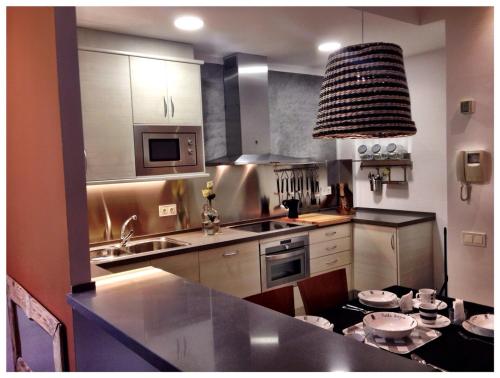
[364,94]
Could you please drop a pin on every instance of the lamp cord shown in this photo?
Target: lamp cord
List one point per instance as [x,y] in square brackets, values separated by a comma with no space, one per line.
[362,26]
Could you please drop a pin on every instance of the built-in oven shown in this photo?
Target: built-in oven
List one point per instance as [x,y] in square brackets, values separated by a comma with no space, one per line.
[168,149]
[284,261]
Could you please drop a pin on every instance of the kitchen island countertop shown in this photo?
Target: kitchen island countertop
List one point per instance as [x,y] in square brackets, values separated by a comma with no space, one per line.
[148,311]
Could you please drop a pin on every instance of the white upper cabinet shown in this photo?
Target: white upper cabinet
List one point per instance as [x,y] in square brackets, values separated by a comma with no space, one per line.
[107,116]
[149,90]
[165,92]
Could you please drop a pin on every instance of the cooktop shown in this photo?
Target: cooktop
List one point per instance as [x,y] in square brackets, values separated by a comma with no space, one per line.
[265,226]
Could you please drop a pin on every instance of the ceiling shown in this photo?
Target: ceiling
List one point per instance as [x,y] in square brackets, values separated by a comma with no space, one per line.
[288,36]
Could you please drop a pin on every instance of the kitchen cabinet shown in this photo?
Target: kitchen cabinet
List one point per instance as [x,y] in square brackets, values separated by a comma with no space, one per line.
[130,266]
[234,269]
[184,265]
[165,92]
[330,248]
[107,116]
[385,256]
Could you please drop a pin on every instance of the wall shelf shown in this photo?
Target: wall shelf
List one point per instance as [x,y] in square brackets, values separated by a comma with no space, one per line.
[389,164]
[405,163]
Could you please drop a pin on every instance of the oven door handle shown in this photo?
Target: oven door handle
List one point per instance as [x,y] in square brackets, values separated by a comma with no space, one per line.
[281,256]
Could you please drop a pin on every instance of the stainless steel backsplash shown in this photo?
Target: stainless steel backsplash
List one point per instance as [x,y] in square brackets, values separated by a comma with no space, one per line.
[242,193]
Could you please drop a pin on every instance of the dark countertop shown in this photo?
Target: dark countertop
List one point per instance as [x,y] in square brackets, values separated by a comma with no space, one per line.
[388,218]
[223,333]
[199,242]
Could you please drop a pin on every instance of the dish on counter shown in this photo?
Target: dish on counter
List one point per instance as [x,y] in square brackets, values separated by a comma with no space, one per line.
[391,325]
[316,320]
[377,297]
[441,321]
[387,306]
[482,325]
[441,306]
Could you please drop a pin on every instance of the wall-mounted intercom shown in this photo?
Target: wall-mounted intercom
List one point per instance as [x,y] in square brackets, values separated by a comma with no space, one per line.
[471,168]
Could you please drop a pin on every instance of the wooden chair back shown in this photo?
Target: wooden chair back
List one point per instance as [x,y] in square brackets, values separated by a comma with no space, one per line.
[324,291]
[280,300]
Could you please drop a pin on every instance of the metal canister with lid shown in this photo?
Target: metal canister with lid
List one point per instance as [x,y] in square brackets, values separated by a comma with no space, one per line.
[394,151]
[377,154]
[363,153]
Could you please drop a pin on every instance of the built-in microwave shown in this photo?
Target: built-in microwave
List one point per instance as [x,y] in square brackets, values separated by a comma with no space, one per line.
[161,150]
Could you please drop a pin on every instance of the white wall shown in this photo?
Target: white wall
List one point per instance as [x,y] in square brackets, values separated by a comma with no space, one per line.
[469,74]
[469,35]
[426,190]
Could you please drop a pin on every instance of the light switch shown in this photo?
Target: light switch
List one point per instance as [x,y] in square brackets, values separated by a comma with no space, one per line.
[475,239]
[467,238]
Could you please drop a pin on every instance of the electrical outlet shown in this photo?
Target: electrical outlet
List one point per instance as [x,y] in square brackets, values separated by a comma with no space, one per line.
[167,210]
[326,191]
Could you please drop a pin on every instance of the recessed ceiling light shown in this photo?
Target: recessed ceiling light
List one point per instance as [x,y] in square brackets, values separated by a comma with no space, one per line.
[188,23]
[329,46]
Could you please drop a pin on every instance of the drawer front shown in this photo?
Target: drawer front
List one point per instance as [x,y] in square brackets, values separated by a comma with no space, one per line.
[330,233]
[125,267]
[184,265]
[234,269]
[329,262]
[329,247]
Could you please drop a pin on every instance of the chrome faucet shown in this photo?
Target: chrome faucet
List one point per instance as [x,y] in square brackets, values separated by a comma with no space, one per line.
[125,238]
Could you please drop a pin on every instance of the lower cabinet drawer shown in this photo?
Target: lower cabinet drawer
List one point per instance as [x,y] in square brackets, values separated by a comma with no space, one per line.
[328,247]
[329,262]
[125,267]
[184,265]
[234,269]
[329,233]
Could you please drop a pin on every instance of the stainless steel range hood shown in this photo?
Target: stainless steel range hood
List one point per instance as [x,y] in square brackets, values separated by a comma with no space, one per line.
[248,133]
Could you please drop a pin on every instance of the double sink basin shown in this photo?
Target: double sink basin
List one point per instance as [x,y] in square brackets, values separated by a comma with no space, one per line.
[132,248]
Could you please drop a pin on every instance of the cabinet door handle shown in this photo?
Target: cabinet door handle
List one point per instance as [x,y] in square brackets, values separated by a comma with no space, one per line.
[165,107]
[228,254]
[332,262]
[331,248]
[330,233]
[392,242]
[172,107]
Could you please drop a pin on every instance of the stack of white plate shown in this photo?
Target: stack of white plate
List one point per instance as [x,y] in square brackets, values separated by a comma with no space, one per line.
[316,320]
[389,324]
[378,299]
[481,325]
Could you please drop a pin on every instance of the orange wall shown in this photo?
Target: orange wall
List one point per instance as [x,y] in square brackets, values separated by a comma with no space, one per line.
[37,235]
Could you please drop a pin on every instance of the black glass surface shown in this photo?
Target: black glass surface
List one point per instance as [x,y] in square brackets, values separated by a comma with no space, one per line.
[164,150]
[455,350]
[265,226]
[286,269]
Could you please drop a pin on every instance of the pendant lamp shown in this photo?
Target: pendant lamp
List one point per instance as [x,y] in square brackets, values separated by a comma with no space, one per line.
[364,94]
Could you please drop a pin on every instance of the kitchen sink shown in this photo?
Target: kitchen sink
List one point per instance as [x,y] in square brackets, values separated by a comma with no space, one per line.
[133,248]
[153,245]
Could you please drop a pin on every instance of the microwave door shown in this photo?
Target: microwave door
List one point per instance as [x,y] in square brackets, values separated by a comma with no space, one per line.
[166,150]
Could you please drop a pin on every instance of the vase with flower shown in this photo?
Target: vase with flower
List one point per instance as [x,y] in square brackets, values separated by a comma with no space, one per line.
[210,221]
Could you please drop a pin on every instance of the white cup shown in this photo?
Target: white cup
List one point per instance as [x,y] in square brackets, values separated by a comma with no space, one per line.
[428,312]
[426,295]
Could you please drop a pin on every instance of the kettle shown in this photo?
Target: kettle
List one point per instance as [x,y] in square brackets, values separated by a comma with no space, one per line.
[293,207]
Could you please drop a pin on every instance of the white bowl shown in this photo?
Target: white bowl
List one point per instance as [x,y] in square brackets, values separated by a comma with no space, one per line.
[317,321]
[390,325]
[482,324]
[377,297]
